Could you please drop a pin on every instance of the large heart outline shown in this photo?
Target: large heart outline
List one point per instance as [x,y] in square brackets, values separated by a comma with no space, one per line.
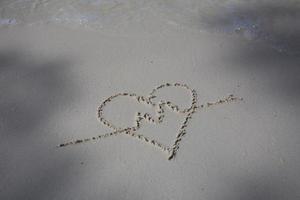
[160,110]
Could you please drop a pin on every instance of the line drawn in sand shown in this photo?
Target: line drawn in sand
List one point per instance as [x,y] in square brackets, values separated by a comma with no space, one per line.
[160,110]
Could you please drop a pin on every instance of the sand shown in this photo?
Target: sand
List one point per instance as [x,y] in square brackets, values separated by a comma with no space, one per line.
[54,76]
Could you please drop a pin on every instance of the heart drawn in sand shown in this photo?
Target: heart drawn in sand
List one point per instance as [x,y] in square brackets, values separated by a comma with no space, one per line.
[159,118]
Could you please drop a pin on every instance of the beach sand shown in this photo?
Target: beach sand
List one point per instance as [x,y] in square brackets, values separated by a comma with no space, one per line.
[53,77]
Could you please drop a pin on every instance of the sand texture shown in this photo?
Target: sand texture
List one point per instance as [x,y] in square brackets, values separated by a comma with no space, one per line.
[229,106]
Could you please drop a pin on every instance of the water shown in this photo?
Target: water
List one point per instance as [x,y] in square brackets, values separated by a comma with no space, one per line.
[275,22]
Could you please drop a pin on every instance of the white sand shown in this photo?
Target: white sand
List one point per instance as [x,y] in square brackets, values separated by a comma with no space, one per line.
[53,78]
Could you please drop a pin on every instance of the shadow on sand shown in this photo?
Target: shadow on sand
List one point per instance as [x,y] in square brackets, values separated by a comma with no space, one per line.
[31,92]
[273,52]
